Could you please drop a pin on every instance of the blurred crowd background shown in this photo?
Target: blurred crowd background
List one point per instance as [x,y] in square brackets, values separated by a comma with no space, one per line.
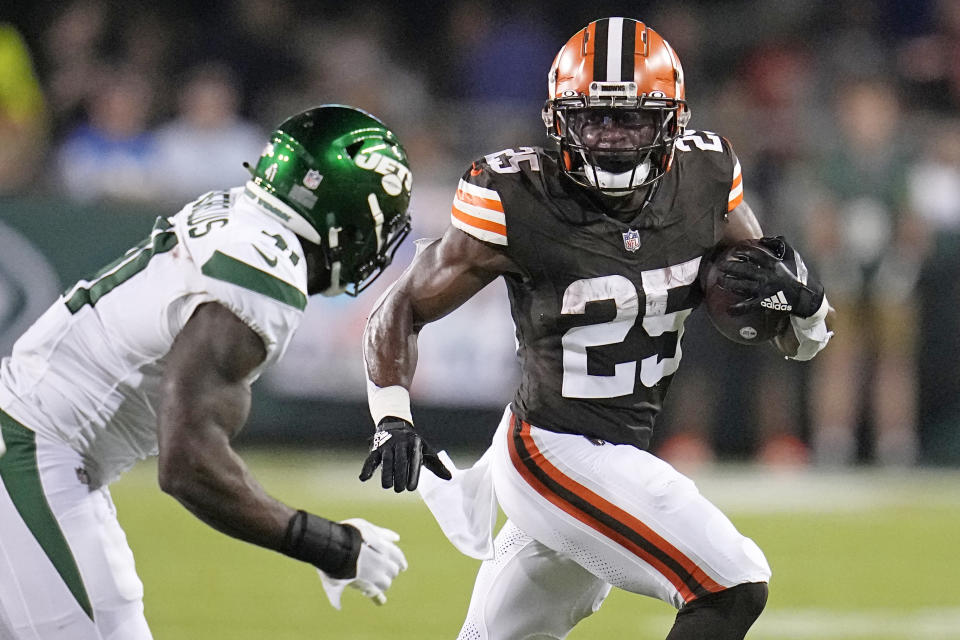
[845,115]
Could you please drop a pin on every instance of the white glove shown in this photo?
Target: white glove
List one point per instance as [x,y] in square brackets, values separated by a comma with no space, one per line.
[379,563]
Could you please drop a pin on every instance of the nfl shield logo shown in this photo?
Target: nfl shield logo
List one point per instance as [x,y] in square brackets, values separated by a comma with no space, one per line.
[631,240]
[312,179]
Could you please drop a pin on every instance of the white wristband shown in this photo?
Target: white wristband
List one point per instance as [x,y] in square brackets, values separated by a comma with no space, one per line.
[811,332]
[815,319]
[388,401]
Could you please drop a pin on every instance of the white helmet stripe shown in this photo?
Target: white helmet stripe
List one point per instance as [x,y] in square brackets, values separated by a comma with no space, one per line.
[377,213]
[615,50]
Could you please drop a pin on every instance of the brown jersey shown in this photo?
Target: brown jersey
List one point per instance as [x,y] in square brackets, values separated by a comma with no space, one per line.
[600,304]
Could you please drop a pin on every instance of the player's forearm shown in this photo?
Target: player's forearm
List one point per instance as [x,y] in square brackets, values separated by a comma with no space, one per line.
[213,483]
[199,468]
[390,343]
[204,474]
[789,342]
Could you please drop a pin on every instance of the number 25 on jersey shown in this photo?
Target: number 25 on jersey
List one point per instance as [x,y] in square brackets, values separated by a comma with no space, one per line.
[577,382]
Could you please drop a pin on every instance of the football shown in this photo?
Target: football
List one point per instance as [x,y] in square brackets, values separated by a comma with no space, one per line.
[757,326]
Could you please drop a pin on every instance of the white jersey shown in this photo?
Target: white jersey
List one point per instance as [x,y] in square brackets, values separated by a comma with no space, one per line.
[88,373]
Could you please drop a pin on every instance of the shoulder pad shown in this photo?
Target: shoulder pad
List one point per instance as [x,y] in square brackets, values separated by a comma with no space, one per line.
[510,161]
[701,141]
[261,262]
[477,206]
[244,249]
[713,158]
[479,212]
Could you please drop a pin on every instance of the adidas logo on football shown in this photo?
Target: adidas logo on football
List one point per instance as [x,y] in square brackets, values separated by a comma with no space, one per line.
[776,302]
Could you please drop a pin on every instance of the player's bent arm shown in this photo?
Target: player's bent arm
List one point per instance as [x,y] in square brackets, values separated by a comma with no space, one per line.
[443,276]
[206,401]
[789,343]
[741,224]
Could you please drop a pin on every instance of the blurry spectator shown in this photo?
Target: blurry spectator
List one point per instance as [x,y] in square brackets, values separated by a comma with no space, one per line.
[857,47]
[481,65]
[73,58]
[152,46]
[866,245]
[205,146]
[935,179]
[930,63]
[112,154]
[493,62]
[935,195]
[351,61]
[23,121]
[261,38]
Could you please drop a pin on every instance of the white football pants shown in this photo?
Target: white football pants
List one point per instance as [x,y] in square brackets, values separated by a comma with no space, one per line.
[66,571]
[585,517]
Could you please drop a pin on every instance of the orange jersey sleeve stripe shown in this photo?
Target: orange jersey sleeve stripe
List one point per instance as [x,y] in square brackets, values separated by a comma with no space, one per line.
[479,223]
[477,201]
[603,516]
[733,204]
[736,189]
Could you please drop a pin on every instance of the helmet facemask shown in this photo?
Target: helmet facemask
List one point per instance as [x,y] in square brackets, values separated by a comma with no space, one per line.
[354,260]
[615,146]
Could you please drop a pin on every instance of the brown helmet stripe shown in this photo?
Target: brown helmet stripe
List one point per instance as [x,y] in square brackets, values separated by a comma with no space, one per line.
[600,32]
[628,49]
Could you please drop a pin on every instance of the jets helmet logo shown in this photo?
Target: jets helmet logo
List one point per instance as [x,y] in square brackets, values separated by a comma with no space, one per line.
[396,177]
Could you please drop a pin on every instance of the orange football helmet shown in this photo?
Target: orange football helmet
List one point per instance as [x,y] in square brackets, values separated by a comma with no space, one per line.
[616,70]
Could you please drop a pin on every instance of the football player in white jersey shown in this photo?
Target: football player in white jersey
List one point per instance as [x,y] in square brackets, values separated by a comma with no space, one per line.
[155,355]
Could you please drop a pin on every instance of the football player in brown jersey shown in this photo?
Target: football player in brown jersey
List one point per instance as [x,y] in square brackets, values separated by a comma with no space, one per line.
[600,245]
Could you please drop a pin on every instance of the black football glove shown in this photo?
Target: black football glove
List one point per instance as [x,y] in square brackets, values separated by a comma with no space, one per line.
[401,451]
[769,273]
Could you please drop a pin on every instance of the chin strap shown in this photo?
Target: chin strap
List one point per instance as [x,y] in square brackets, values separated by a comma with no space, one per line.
[608,180]
[333,243]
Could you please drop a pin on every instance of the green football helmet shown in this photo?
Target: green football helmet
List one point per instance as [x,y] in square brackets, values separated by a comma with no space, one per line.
[339,178]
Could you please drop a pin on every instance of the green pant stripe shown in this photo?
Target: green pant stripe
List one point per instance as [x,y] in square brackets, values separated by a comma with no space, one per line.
[18,468]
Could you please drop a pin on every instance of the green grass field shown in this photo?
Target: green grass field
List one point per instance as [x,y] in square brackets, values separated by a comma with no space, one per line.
[860,555]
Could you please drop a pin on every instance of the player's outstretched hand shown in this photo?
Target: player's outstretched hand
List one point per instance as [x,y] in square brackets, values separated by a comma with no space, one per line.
[401,451]
[768,271]
[379,562]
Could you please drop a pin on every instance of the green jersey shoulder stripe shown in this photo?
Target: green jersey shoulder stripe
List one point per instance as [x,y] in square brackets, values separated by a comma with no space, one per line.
[229,269]
[88,292]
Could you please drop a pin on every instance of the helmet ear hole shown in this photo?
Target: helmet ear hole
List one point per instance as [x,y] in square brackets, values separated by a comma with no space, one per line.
[352,149]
